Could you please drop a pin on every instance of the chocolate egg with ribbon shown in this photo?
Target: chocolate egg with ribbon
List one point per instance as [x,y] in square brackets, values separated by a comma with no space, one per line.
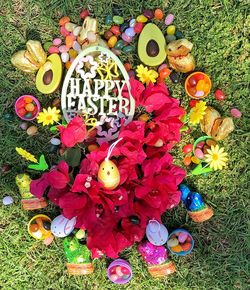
[108,173]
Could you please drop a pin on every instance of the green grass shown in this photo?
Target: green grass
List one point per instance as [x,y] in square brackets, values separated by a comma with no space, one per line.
[219,31]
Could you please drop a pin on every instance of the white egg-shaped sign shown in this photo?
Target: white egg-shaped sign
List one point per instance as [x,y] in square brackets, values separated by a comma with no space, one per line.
[97,88]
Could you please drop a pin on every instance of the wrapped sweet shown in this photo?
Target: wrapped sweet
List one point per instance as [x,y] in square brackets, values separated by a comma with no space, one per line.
[197,209]
[156,258]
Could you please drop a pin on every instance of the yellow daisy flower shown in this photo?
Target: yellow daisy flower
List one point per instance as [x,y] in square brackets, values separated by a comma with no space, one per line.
[197,113]
[26,155]
[49,116]
[145,75]
[216,157]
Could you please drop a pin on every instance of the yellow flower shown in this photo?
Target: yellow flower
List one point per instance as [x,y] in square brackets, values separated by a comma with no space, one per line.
[216,157]
[197,113]
[49,116]
[145,75]
[26,155]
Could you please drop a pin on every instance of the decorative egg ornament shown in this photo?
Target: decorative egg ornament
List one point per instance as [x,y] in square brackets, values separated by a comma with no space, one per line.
[61,226]
[108,173]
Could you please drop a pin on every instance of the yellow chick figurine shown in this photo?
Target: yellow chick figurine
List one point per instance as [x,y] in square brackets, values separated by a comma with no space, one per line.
[23,182]
[108,173]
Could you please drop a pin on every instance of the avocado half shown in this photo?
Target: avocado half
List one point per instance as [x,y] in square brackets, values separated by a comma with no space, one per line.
[152,45]
[49,75]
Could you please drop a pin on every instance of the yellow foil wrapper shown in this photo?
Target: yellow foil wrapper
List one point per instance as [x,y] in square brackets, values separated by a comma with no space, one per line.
[35,48]
[89,24]
[23,60]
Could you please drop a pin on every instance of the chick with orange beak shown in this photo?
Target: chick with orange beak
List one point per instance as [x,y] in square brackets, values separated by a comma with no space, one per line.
[108,173]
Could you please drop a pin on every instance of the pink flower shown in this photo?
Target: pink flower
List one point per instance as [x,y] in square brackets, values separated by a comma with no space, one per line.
[74,133]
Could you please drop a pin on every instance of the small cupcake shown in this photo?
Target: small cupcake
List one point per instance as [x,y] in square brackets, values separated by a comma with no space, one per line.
[156,258]
[78,257]
[197,209]
[29,202]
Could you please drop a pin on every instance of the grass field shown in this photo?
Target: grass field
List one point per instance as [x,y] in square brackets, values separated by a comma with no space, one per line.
[220,260]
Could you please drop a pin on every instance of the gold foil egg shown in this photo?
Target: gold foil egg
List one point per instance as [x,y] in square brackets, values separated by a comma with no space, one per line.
[109,174]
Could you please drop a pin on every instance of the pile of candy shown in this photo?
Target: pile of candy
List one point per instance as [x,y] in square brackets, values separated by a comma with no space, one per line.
[180,242]
[119,271]
[198,85]
[27,107]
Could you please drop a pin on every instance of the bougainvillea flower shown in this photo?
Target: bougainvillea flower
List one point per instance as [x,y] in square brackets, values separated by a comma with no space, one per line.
[75,132]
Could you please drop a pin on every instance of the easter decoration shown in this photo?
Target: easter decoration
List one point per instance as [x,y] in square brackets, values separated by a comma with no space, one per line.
[197,209]
[113,129]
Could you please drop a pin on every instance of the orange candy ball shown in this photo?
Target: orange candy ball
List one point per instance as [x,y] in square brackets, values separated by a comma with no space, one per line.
[165,72]
[30,107]
[64,20]
[158,14]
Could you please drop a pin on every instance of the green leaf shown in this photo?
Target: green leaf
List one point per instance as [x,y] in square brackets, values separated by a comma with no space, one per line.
[72,156]
[41,166]
[201,170]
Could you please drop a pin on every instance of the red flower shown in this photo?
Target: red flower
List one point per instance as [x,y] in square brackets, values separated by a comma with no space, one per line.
[74,133]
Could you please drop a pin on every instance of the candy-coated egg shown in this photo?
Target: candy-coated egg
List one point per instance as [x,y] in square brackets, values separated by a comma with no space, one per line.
[38,234]
[119,271]
[77,31]
[55,141]
[200,85]
[199,76]
[177,249]
[114,277]
[162,66]
[76,46]
[195,160]
[175,77]
[108,34]
[205,148]
[70,26]
[127,66]
[126,38]
[64,20]
[53,49]
[109,174]
[235,113]
[187,160]
[211,142]
[32,130]
[164,73]
[69,41]
[65,57]
[182,237]
[24,126]
[148,13]
[34,227]
[124,26]
[64,32]
[30,107]
[193,103]
[73,53]
[84,13]
[219,95]
[169,19]
[112,41]
[138,27]
[118,19]
[198,153]
[187,148]
[21,112]
[192,91]
[115,29]
[7,200]
[108,20]
[200,144]
[171,30]
[170,38]
[179,35]
[186,247]
[158,14]
[128,48]
[130,31]
[192,81]
[172,242]
[132,22]
[57,41]
[199,94]
[141,18]
[63,48]
[125,271]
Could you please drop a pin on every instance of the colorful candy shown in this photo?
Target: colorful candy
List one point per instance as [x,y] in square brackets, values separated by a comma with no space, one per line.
[180,242]
[236,113]
[27,107]
[141,18]
[171,30]
[169,19]
[219,95]
[158,14]
[187,148]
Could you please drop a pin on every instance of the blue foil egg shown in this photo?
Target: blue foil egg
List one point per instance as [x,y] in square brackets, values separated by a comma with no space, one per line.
[194,201]
[184,191]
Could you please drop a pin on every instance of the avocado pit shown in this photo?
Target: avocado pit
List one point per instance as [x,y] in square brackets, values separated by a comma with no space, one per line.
[152,48]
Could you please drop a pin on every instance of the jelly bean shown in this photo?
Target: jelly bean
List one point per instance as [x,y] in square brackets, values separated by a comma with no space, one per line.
[34,227]
[141,18]
[211,142]
[91,36]
[187,160]
[118,19]
[200,85]
[131,74]
[189,239]
[64,20]
[128,49]
[64,32]
[28,115]
[125,271]
[124,26]
[195,160]
[125,277]
[143,118]
[175,78]
[47,225]
[77,30]
[7,200]
[199,76]
[130,31]
[119,271]
[115,30]
[108,34]
[65,57]
[24,126]
[92,147]
[148,13]
[30,107]
[84,13]
[171,30]
[138,27]
[126,38]
[132,22]
[200,145]
[198,153]
[69,41]
[112,41]
[179,35]
[28,100]
[114,277]
[57,41]
[164,73]
[108,20]
[112,270]
[205,148]
[219,95]
[116,51]
[47,45]
[177,249]
[119,44]
[53,49]
[162,66]
[187,148]
[76,46]
[206,88]
[235,113]
[67,65]
[32,130]
[127,66]
[192,91]
[186,247]
[72,53]
[170,38]
[70,26]
[169,19]
[158,14]
[199,94]
[192,81]
[63,48]
[21,112]
[193,103]
[172,242]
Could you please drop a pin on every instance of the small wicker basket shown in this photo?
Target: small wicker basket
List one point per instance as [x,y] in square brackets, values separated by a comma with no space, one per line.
[34,203]
[162,270]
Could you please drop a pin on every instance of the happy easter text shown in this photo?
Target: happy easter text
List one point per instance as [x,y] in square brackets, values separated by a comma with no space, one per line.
[87,97]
